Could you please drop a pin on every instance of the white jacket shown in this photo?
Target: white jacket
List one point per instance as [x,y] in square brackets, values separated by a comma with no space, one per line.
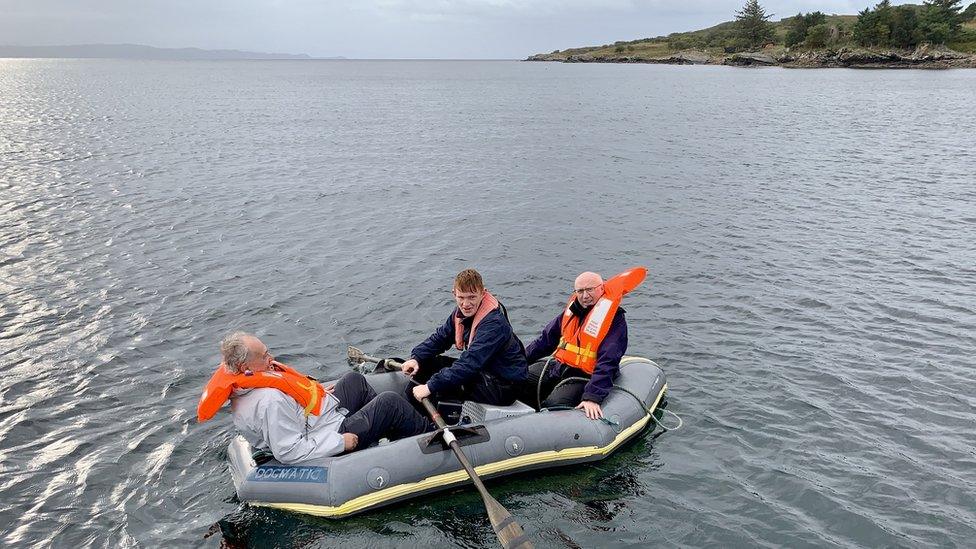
[272,420]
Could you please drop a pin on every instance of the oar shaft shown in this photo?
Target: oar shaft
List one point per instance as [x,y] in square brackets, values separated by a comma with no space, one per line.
[368,358]
[434,414]
[508,530]
[357,355]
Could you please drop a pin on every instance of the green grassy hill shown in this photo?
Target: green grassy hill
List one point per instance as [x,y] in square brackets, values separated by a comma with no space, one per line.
[712,42]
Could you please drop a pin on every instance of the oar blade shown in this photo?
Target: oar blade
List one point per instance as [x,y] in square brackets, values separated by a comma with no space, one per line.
[508,530]
[357,358]
[355,355]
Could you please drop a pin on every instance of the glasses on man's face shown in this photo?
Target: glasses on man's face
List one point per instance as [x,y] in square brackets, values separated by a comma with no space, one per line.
[581,291]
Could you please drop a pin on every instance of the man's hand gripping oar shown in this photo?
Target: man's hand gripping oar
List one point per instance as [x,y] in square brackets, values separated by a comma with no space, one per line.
[509,531]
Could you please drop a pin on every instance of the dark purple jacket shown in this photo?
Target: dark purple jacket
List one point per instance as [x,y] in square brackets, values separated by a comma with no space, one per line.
[608,356]
[495,350]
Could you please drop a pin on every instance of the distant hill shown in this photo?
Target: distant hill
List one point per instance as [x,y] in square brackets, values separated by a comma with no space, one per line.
[137,51]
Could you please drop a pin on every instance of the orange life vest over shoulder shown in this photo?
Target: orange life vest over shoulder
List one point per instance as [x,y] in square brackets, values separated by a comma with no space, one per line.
[488,304]
[579,341]
[307,392]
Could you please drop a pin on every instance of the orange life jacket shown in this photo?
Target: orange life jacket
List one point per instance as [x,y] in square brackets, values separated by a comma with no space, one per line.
[307,392]
[488,304]
[579,342]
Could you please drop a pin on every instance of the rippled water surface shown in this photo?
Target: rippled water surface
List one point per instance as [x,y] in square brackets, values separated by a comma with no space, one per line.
[811,238]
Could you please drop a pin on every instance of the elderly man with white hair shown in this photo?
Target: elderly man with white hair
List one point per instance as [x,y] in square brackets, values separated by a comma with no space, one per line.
[587,341]
[292,415]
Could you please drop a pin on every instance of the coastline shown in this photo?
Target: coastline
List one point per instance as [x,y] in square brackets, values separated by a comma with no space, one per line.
[923,57]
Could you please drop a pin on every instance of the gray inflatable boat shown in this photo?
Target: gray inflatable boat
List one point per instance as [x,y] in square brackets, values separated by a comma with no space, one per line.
[497,440]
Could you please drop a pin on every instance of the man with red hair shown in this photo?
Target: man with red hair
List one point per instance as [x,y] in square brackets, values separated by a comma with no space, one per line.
[492,362]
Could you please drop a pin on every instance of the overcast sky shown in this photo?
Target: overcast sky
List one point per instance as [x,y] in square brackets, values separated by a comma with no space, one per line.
[457,29]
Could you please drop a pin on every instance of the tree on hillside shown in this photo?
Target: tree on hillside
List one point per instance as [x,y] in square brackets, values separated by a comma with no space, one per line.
[941,20]
[818,36]
[796,30]
[903,28]
[873,26]
[798,26]
[888,26]
[752,26]
[970,13]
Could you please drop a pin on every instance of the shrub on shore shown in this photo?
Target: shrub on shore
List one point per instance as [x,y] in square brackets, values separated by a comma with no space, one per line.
[798,27]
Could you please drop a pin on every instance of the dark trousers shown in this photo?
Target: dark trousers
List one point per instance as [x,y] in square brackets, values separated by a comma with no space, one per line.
[568,394]
[484,388]
[374,416]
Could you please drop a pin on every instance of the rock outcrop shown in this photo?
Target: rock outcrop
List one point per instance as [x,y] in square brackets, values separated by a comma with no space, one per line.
[749,60]
[923,57]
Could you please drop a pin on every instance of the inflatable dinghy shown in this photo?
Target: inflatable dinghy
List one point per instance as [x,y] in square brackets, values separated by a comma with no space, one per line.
[497,440]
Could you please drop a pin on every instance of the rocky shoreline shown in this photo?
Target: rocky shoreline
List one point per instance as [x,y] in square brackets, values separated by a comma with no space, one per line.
[923,57]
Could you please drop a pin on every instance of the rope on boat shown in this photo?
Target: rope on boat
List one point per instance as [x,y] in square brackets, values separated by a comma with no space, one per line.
[640,401]
[661,425]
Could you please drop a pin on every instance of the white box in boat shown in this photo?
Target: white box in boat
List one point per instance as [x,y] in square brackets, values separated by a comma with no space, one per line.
[476,412]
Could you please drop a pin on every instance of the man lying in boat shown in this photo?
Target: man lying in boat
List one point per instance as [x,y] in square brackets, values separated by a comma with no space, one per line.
[587,341]
[292,415]
[492,364]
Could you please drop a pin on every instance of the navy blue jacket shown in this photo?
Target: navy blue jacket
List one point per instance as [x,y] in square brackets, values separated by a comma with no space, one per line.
[608,356]
[495,350]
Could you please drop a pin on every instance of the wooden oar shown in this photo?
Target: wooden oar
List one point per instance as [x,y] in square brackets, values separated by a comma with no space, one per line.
[507,529]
